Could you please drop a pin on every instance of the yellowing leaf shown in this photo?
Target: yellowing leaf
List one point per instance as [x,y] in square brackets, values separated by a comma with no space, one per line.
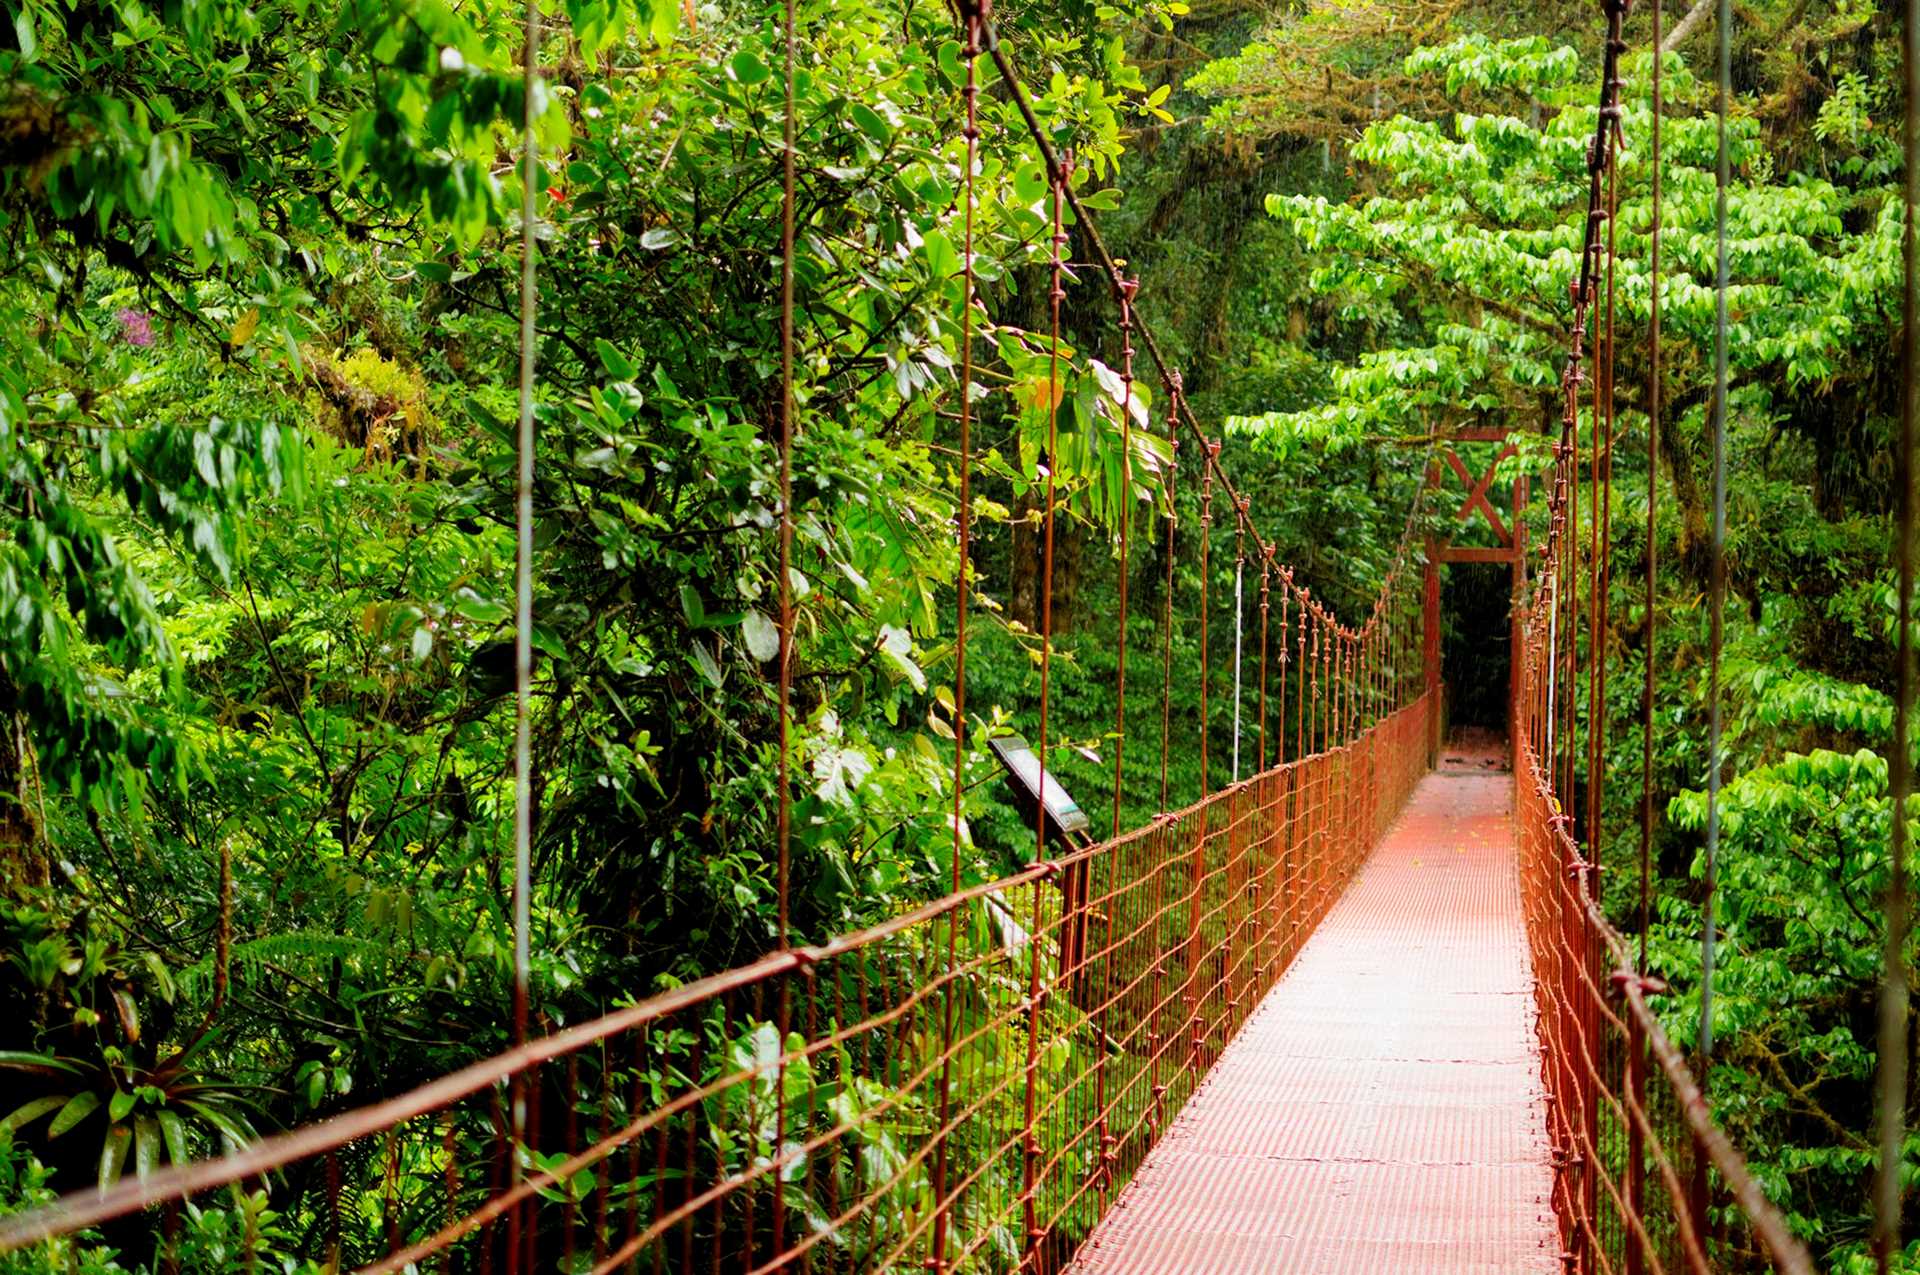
[1036,391]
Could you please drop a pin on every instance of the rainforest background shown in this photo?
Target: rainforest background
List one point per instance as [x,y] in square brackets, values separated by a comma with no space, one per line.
[258,358]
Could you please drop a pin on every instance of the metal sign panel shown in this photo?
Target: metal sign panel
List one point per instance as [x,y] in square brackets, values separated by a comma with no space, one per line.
[1024,766]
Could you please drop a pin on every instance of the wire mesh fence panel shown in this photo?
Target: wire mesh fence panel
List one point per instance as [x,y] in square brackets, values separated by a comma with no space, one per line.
[1644,1182]
[964,1087]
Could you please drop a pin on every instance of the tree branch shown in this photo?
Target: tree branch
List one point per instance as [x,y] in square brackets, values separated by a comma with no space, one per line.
[1686,26]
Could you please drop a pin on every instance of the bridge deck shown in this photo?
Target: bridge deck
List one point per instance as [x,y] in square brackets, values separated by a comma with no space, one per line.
[1382,1110]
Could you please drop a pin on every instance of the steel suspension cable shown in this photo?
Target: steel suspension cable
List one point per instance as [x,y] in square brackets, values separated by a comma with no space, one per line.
[784,584]
[936,1257]
[1637,1051]
[1717,581]
[1172,384]
[1653,495]
[1056,293]
[1127,289]
[1600,574]
[1206,537]
[1239,617]
[1891,1083]
[518,1097]
[1266,583]
[784,654]
[523,540]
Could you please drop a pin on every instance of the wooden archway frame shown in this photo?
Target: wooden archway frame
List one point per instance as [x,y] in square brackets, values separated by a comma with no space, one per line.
[1512,549]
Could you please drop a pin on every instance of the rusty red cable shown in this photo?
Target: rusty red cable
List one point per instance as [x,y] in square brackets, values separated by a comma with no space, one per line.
[1127,288]
[1172,384]
[974,18]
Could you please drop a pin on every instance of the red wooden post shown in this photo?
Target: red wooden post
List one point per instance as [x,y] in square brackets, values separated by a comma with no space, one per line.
[1431,620]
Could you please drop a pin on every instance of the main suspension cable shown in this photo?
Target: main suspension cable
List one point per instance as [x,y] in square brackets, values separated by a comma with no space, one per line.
[1180,411]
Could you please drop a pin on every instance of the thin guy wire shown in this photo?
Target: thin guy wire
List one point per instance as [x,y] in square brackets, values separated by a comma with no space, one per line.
[1718,582]
[523,554]
[1127,289]
[523,604]
[785,586]
[936,1259]
[1266,582]
[1206,536]
[1166,601]
[1055,295]
[1600,576]
[1653,494]
[1891,1099]
[783,776]
[1239,614]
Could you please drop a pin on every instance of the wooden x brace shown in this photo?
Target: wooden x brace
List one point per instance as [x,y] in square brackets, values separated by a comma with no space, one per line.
[1477,493]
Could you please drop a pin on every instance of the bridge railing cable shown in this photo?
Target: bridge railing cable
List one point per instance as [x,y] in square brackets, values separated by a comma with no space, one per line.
[966,1085]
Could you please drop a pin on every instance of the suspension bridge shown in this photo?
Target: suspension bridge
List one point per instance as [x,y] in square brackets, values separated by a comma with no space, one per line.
[1358,1010]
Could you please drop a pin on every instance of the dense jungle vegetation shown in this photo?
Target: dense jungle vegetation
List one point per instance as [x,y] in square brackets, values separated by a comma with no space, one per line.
[259,345]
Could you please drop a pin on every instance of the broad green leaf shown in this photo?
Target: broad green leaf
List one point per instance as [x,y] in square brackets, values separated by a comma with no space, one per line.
[747,68]
[77,1108]
[146,1146]
[943,261]
[762,635]
[238,1133]
[23,33]
[871,122]
[27,1112]
[618,366]
[113,1154]
[173,1130]
[21,1060]
[949,59]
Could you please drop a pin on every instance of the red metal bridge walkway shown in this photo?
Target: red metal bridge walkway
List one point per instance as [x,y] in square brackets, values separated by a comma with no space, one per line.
[1382,1109]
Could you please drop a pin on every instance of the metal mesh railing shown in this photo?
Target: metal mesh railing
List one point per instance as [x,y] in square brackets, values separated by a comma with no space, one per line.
[965,1087]
[1643,1179]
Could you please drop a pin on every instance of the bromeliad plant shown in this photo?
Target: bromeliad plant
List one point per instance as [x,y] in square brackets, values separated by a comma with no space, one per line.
[109,1093]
